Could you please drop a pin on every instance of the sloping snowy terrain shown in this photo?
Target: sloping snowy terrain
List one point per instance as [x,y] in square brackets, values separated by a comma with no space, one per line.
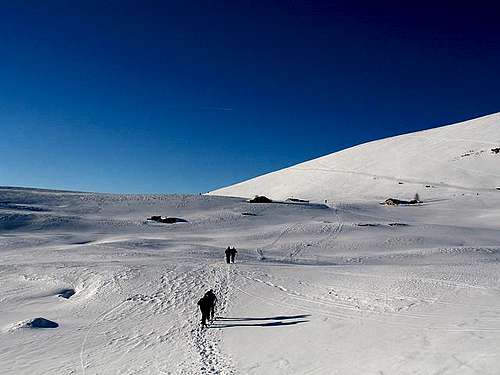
[454,157]
[351,287]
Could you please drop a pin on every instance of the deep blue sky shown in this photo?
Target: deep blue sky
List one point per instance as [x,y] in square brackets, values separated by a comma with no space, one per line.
[163,96]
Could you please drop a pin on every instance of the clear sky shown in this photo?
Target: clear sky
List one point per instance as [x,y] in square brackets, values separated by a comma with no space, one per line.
[188,96]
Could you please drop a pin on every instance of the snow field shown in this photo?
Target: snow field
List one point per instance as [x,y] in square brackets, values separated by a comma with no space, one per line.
[337,290]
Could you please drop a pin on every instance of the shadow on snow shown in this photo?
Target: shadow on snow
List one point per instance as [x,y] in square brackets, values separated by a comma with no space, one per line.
[281,317]
[283,320]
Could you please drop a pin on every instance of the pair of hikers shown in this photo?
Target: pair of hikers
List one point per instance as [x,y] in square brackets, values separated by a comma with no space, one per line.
[230,254]
[207,306]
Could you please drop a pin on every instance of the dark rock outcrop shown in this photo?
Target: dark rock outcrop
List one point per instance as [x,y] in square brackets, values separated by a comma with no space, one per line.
[260,199]
[397,202]
[41,323]
[167,220]
[66,293]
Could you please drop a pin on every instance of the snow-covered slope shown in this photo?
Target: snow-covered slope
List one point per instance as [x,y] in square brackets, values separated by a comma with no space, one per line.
[430,162]
[340,288]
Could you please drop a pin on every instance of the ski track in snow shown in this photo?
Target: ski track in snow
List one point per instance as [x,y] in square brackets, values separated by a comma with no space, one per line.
[331,233]
[287,228]
[102,316]
[350,311]
[405,179]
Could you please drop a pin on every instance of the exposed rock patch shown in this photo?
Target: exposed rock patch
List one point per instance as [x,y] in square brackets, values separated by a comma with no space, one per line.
[381,225]
[66,293]
[41,323]
[260,199]
[397,202]
[167,220]
[297,200]
[35,323]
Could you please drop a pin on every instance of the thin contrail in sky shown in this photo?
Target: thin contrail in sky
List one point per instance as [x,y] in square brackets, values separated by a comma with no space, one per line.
[204,108]
[217,108]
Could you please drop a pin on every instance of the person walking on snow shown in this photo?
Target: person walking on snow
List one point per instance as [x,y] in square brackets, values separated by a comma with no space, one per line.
[212,299]
[228,255]
[233,254]
[204,304]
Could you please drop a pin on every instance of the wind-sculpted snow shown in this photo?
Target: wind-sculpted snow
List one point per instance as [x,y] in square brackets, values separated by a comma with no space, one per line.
[432,163]
[351,288]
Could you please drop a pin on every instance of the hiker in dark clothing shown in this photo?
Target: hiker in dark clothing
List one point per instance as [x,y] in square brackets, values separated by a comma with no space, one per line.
[212,298]
[204,304]
[233,254]
[228,255]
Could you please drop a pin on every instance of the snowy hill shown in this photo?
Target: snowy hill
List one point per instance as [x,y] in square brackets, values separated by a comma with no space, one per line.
[430,162]
[89,285]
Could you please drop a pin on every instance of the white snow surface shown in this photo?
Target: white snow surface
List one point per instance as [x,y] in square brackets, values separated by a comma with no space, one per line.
[450,157]
[351,287]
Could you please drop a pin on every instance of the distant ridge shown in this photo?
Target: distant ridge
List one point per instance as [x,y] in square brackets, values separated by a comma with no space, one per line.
[43,190]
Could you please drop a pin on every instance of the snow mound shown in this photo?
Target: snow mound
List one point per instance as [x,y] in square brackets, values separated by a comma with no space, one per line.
[454,157]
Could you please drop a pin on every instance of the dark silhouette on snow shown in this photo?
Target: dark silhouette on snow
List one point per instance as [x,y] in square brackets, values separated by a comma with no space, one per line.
[228,255]
[233,253]
[212,298]
[260,199]
[205,305]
